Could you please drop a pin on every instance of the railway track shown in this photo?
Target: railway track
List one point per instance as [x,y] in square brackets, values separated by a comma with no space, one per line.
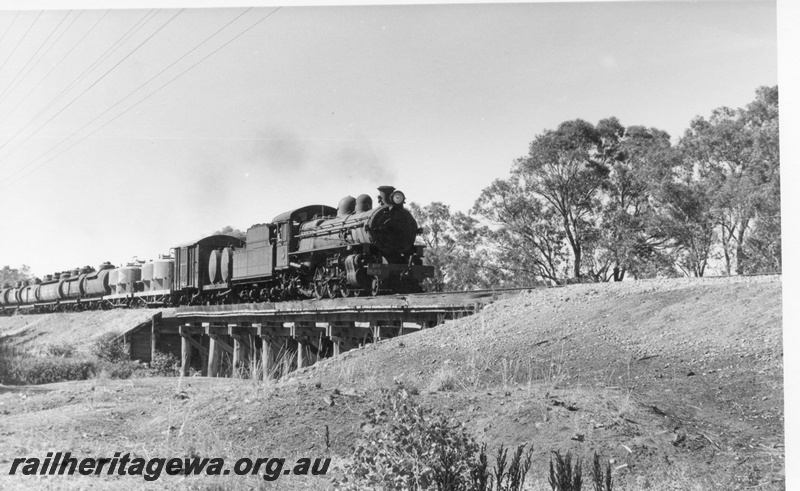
[447,297]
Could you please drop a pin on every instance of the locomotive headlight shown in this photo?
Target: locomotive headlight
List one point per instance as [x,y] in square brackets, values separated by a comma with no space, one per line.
[398,197]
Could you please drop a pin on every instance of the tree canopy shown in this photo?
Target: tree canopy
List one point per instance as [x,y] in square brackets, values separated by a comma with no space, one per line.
[599,202]
[736,154]
[452,243]
[13,275]
[233,232]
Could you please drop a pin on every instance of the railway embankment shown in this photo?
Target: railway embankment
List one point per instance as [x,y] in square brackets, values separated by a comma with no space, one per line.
[35,332]
[678,382]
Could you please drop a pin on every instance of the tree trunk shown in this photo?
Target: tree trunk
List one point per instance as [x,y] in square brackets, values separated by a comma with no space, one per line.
[577,266]
[726,251]
[741,255]
[576,247]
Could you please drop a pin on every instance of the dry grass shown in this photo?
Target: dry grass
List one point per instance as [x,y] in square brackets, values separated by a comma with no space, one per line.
[345,371]
[477,367]
[445,379]
[555,372]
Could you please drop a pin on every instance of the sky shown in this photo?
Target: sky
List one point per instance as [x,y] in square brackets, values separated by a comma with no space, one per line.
[126,132]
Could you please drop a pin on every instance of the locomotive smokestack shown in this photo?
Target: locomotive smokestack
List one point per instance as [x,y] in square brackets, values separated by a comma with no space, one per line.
[383,194]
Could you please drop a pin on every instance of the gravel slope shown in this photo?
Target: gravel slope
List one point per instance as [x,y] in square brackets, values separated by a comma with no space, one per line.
[36,331]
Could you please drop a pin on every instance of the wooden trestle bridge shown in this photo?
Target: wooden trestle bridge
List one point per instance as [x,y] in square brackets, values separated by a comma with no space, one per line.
[269,340]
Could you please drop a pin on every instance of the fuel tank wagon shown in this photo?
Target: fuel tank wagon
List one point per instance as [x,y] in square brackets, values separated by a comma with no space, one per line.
[8,297]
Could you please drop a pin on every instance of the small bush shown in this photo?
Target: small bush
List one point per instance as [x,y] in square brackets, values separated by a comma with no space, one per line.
[409,387]
[566,476]
[514,478]
[31,370]
[444,379]
[110,347]
[406,449]
[119,370]
[60,363]
[63,350]
[403,449]
[165,365]
[19,367]
[601,480]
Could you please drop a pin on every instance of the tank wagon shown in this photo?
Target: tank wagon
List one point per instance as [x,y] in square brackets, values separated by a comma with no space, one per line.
[136,284]
[60,291]
[315,251]
[9,296]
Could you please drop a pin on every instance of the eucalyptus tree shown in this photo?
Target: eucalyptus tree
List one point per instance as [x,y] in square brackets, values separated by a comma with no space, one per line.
[233,232]
[564,169]
[640,160]
[13,275]
[528,241]
[736,152]
[452,243]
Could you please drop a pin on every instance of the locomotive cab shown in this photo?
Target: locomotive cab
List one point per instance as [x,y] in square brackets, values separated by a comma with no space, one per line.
[288,225]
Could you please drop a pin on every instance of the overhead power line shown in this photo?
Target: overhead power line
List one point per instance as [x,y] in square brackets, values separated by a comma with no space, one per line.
[138,88]
[20,40]
[14,20]
[55,65]
[9,184]
[12,174]
[98,81]
[106,54]
[11,86]
[90,87]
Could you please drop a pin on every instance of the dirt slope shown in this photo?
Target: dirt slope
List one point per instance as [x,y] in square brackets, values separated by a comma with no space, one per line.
[678,381]
[69,327]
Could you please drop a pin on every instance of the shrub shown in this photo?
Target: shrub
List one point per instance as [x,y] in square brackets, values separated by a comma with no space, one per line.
[445,379]
[517,469]
[165,365]
[63,350]
[566,476]
[34,371]
[119,370]
[110,347]
[600,479]
[60,364]
[406,449]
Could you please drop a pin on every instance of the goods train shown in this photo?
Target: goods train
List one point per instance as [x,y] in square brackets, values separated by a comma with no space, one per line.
[315,251]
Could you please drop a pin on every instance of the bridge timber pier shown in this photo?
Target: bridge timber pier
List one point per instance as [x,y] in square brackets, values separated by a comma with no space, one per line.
[269,340]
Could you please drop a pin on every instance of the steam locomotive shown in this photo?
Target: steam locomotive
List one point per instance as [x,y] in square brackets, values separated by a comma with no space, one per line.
[316,251]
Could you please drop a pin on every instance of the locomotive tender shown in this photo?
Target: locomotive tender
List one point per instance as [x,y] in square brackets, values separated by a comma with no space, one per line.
[315,251]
